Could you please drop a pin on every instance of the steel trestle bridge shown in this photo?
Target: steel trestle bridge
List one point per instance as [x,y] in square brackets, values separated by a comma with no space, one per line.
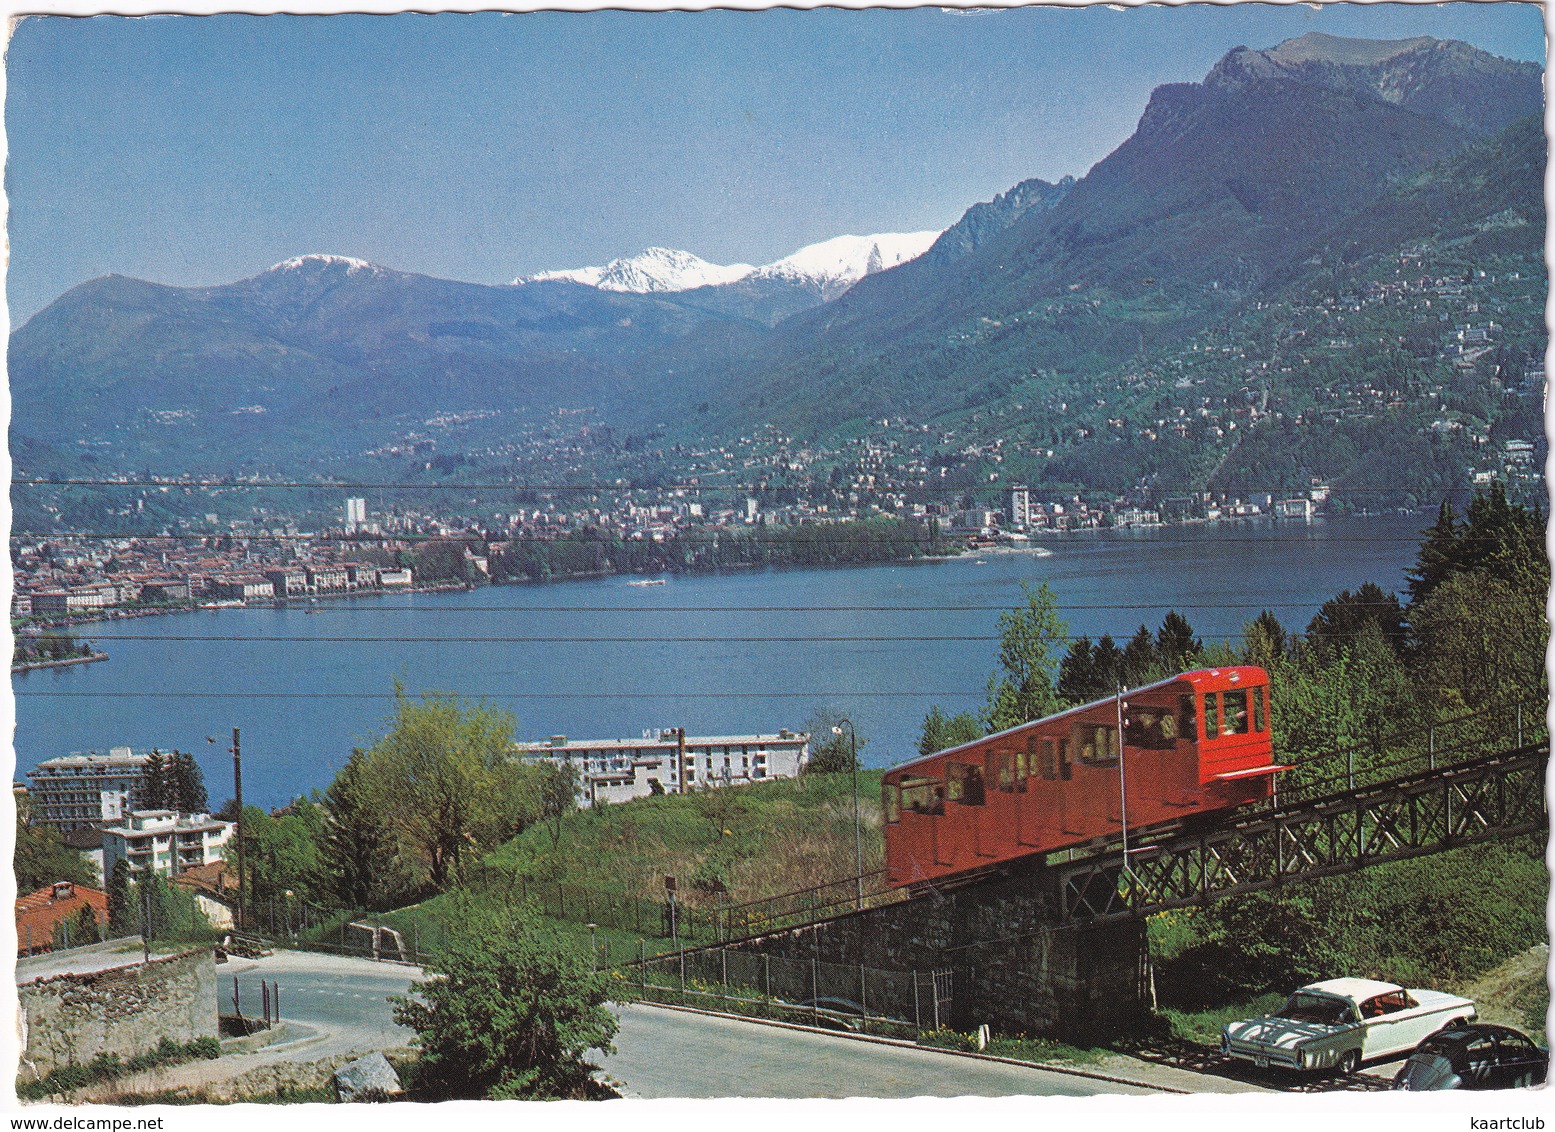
[1464,803]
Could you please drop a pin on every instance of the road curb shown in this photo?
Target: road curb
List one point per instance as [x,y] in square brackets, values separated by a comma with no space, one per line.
[902,1043]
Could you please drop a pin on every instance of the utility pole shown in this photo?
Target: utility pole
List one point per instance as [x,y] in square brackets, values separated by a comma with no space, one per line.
[858,829]
[237,778]
[237,785]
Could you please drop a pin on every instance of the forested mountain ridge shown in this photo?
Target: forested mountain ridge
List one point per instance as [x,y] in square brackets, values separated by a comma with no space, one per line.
[1223,186]
[1061,318]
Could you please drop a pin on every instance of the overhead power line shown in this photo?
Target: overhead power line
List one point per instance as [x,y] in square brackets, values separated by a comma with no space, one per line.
[765,638]
[677,485]
[640,610]
[873,694]
[843,539]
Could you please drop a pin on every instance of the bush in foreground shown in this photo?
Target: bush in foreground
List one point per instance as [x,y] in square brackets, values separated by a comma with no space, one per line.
[511,1013]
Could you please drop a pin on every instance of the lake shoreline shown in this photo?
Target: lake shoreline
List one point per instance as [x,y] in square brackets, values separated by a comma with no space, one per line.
[66,663]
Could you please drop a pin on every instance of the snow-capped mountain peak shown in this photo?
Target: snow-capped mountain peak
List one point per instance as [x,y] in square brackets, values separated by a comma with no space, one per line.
[318,261]
[650,271]
[827,268]
[843,260]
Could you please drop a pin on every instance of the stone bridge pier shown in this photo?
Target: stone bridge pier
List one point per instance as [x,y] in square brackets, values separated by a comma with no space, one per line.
[1013,964]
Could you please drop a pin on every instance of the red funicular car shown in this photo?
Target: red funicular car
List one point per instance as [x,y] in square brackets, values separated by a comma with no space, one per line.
[1193,744]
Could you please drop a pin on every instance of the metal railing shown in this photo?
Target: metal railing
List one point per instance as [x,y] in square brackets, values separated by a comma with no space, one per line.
[1411,750]
[809,990]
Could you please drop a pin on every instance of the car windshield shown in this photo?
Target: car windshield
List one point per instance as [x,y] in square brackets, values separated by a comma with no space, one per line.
[1323,1009]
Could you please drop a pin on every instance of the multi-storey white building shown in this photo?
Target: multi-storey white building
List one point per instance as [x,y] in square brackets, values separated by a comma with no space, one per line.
[82,789]
[1018,506]
[165,842]
[614,770]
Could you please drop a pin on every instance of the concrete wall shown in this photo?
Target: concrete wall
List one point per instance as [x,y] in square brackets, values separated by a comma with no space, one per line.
[124,1008]
[1011,965]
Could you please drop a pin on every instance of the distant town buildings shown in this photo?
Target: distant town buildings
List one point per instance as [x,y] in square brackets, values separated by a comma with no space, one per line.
[165,842]
[77,791]
[670,762]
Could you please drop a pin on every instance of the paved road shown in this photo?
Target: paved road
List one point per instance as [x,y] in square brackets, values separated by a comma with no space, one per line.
[345,996]
[668,1053]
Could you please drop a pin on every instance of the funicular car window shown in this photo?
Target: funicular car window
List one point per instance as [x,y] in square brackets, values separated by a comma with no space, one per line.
[1049,762]
[891,801]
[1211,715]
[1235,703]
[964,784]
[1005,762]
[923,795]
[1023,761]
[1065,760]
[1187,718]
[1260,714]
[1152,729]
[1097,743]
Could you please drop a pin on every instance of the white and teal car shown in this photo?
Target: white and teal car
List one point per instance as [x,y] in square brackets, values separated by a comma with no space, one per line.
[1340,1023]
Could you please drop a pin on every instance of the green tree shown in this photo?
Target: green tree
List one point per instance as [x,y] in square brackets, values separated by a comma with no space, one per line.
[121,909]
[41,858]
[511,1012]
[357,863]
[558,796]
[154,795]
[941,731]
[1438,554]
[1141,665]
[1029,641]
[282,853]
[1265,642]
[84,927]
[831,744]
[1483,638]
[1077,681]
[1341,619]
[1175,644]
[443,778]
[186,784]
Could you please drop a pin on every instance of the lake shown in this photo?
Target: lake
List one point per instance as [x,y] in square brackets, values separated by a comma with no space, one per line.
[737,652]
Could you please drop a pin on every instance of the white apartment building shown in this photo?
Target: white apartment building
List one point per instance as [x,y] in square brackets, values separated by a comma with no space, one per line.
[165,842]
[615,770]
[81,789]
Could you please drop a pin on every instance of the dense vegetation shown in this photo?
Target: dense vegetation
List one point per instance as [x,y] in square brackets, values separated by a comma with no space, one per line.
[511,1012]
[46,647]
[880,539]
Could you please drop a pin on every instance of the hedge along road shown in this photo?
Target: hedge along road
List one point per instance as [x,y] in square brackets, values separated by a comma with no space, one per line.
[669,1053]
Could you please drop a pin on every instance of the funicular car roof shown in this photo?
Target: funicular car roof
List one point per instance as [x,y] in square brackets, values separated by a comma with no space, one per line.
[1197,678]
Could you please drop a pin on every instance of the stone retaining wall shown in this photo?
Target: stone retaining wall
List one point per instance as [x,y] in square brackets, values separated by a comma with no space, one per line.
[124,1009]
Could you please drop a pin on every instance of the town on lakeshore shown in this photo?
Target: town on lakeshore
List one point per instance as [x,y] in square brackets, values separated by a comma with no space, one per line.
[1084,636]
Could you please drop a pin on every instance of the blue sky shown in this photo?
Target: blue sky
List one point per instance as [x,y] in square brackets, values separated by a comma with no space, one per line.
[195,151]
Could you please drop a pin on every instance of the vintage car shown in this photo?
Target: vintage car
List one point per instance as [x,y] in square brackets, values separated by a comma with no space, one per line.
[1340,1023]
[1474,1056]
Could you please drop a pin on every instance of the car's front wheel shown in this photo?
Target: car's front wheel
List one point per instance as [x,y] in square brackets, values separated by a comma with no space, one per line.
[1349,1061]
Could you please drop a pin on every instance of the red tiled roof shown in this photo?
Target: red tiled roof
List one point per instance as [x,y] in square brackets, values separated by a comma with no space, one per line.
[38,913]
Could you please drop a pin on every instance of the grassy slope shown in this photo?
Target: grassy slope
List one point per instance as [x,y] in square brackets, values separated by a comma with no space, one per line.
[759,840]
